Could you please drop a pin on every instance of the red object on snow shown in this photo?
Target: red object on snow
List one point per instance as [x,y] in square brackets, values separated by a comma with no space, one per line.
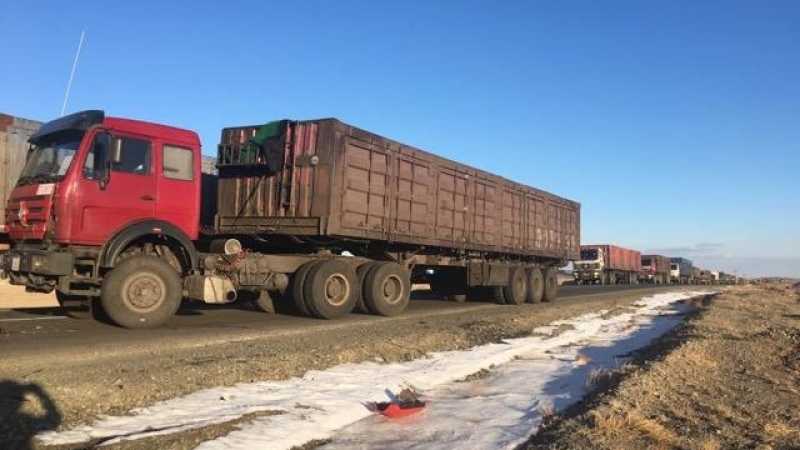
[399,409]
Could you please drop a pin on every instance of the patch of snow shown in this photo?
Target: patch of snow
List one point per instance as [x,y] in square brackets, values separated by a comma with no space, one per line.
[498,411]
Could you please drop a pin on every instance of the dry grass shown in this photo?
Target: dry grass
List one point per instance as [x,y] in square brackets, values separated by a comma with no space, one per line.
[728,378]
[619,424]
[779,430]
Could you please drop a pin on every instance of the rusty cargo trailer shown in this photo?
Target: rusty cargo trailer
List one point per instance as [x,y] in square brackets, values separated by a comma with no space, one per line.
[14,134]
[325,184]
[607,264]
[655,269]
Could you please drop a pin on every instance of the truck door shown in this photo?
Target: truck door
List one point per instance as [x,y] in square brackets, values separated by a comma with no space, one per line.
[179,188]
[104,202]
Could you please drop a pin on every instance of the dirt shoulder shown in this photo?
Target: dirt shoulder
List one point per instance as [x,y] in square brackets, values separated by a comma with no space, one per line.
[728,378]
[116,383]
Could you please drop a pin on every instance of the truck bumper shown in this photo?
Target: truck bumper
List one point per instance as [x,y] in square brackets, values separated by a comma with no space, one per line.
[37,262]
[587,276]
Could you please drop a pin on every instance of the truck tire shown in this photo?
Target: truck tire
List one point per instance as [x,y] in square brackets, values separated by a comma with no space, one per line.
[361,273]
[535,285]
[550,284]
[80,307]
[387,289]
[141,292]
[298,281]
[516,290]
[331,289]
[498,295]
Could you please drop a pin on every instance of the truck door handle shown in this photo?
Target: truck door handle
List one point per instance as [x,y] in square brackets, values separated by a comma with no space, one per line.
[148,198]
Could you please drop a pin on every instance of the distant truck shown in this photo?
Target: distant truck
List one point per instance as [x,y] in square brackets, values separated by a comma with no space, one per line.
[108,215]
[706,277]
[607,264]
[14,135]
[696,275]
[680,270]
[655,270]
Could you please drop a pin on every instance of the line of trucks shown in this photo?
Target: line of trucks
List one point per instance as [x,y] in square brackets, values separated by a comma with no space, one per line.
[125,219]
[610,264]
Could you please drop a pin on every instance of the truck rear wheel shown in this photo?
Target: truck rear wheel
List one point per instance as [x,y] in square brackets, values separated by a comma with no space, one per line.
[550,284]
[361,272]
[535,285]
[516,290]
[387,289]
[141,292]
[298,282]
[331,289]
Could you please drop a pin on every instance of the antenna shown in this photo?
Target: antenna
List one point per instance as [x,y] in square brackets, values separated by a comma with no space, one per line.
[72,74]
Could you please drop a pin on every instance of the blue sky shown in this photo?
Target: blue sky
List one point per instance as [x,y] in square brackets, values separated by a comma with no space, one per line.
[675,124]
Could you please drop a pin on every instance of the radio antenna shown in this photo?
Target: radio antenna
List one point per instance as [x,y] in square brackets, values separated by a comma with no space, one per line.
[72,73]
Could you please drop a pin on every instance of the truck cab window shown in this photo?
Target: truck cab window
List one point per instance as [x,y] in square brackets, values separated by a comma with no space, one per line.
[135,157]
[178,163]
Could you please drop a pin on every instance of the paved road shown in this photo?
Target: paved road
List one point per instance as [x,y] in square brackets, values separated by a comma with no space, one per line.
[30,331]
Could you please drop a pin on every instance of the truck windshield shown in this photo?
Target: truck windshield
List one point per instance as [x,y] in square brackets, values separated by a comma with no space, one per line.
[589,255]
[49,158]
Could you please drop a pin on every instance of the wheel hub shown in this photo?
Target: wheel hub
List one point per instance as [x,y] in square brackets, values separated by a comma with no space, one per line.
[144,292]
[337,290]
[392,289]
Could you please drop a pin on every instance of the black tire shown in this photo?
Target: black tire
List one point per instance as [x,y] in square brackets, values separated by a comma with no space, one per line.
[535,285]
[387,289]
[498,295]
[361,273]
[331,289]
[141,292]
[516,290]
[80,307]
[298,281]
[550,284]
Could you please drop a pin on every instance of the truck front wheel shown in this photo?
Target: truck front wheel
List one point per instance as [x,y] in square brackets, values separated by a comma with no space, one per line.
[141,292]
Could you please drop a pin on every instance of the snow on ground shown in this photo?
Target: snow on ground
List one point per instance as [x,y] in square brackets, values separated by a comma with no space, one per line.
[497,411]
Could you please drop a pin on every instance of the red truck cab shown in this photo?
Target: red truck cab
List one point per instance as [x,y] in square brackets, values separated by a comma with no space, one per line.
[92,182]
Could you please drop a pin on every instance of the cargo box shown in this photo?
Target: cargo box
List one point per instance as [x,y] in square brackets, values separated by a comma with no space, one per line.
[324,178]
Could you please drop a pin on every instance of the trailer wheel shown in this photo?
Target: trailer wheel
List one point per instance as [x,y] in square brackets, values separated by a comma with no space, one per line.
[535,285]
[141,292]
[387,289]
[516,290]
[361,272]
[331,289]
[298,281]
[550,284]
